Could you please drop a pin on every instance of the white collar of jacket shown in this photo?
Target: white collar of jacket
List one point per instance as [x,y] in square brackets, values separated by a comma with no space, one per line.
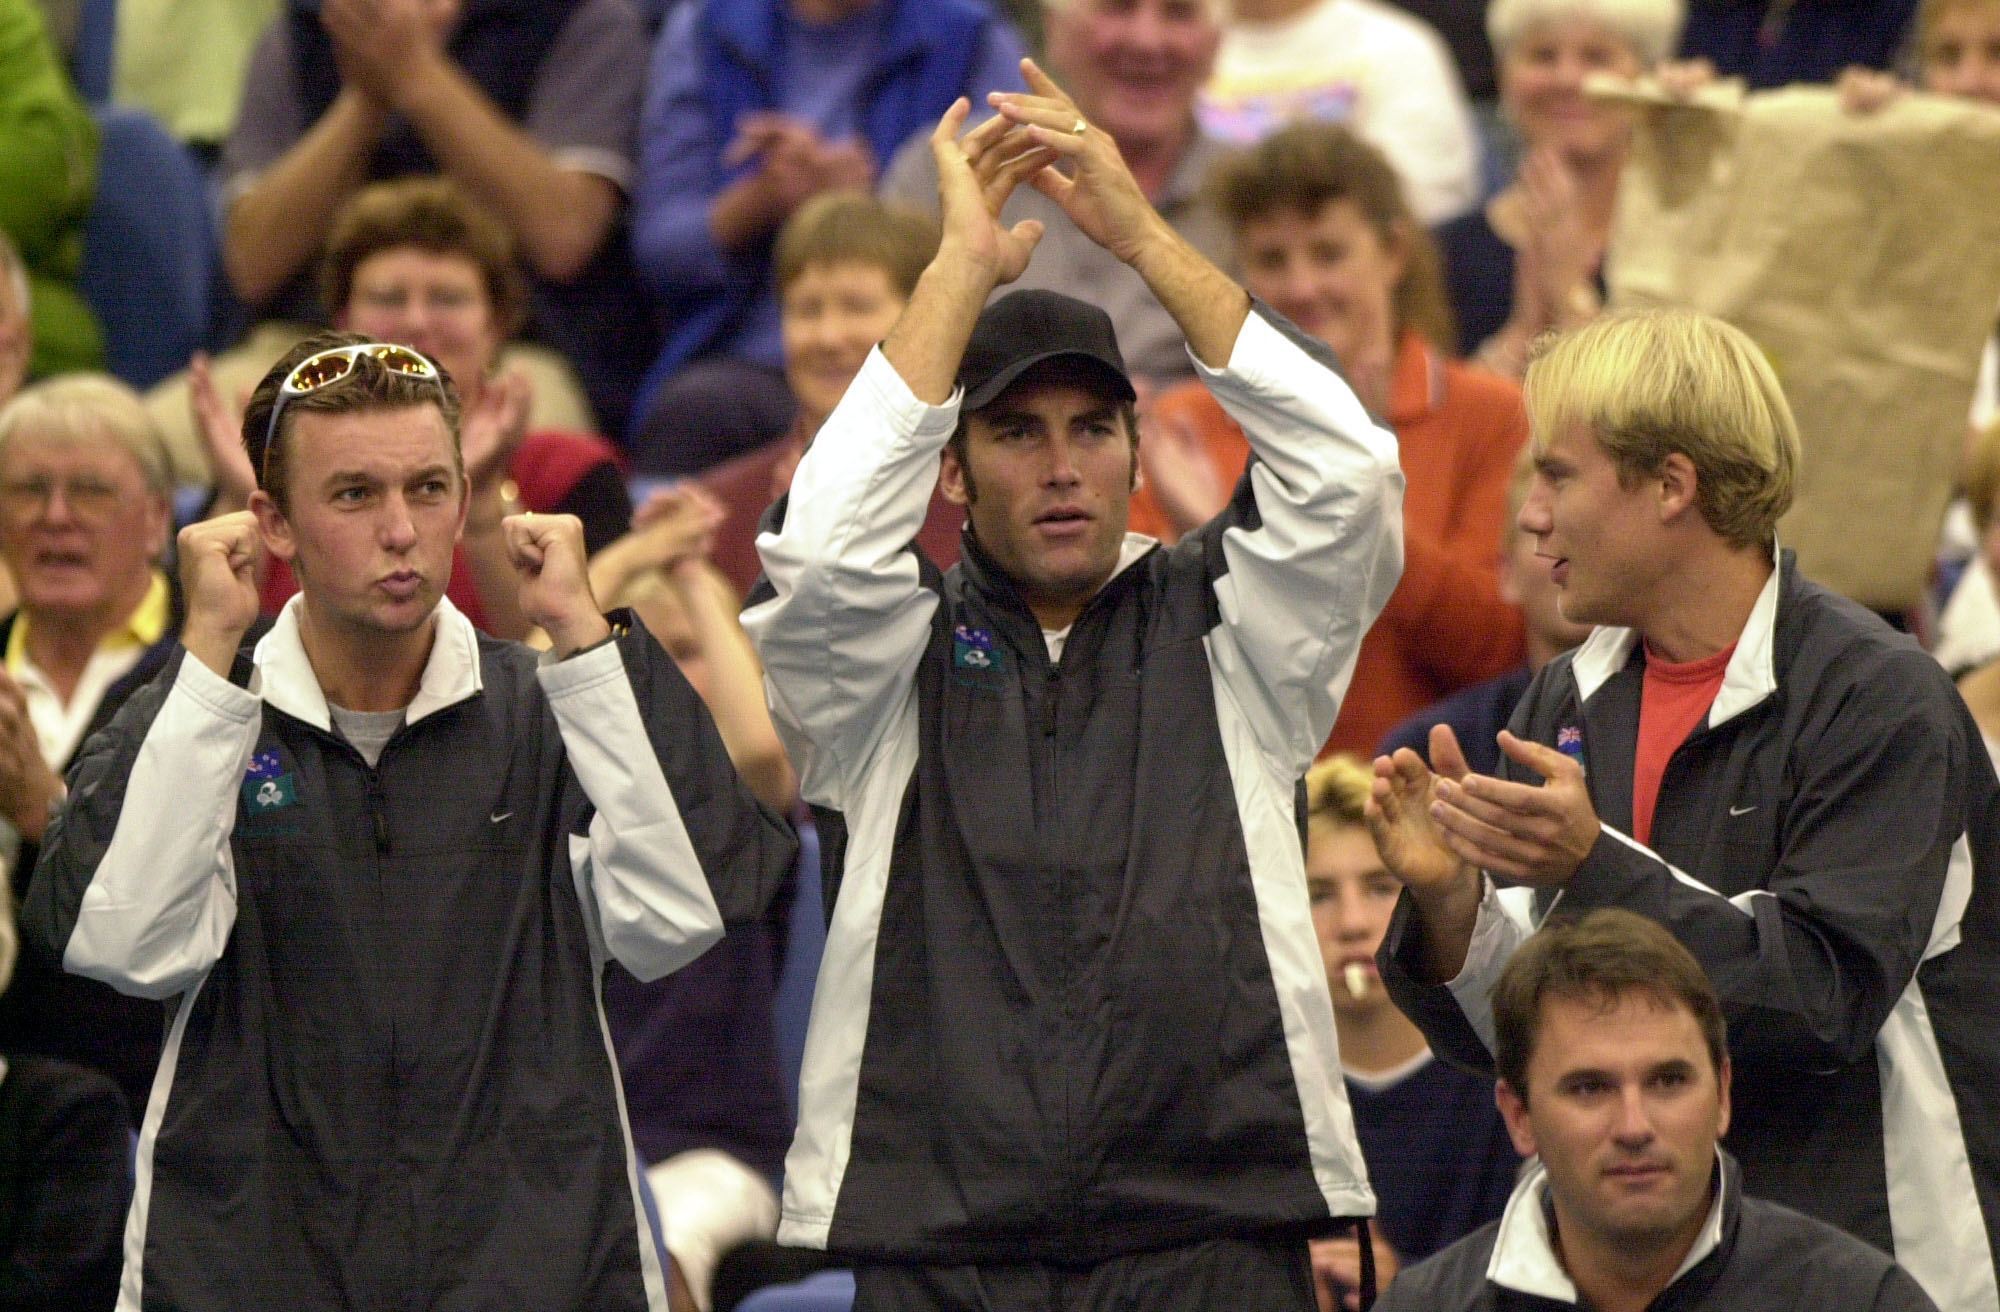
[1752,674]
[282,674]
[1524,1257]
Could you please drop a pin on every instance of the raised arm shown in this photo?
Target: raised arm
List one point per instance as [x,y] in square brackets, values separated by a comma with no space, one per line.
[395,50]
[676,844]
[1105,202]
[841,638]
[285,191]
[1304,564]
[135,885]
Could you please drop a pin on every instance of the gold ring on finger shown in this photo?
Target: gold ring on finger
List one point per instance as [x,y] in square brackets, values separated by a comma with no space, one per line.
[1082,126]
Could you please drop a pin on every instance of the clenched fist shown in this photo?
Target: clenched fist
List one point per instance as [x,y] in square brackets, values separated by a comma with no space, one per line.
[219,582]
[547,553]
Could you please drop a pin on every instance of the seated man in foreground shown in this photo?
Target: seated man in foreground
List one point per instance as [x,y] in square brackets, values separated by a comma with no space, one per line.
[379,861]
[1072,1044]
[1795,791]
[1613,1073]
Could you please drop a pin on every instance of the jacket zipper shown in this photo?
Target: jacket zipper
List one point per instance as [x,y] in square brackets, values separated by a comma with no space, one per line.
[378,811]
[1065,1203]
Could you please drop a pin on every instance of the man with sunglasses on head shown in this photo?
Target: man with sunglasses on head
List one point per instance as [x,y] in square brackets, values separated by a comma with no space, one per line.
[1072,1046]
[378,863]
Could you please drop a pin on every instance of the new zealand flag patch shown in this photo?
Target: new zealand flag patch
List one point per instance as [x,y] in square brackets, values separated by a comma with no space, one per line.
[976,657]
[269,791]
[1569,741]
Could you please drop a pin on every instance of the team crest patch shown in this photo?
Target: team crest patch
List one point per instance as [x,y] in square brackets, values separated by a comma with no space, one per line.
[261,796]
[975,655]
[1569,741]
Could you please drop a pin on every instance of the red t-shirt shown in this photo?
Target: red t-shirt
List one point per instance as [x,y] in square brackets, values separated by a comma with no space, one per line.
[1672,702]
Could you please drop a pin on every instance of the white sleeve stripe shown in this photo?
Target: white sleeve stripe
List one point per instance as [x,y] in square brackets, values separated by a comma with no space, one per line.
[1506,918]
[837,1029]
[655,910]
[1264,807]
[1740,902]
[160,906]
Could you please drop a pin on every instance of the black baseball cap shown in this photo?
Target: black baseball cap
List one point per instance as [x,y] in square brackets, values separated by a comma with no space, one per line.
[1022,329]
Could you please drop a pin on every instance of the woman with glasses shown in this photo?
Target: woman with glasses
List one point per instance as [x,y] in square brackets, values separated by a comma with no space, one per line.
[418,262]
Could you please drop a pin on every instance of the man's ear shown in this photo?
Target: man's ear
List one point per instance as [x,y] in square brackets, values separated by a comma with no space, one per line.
[952,479]
[159,524]
[1510,578]
[1678,485]
[1514,1111]
[273,527]
[1722,1092]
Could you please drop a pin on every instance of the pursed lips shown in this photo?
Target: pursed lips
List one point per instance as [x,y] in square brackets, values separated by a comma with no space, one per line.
[401,581]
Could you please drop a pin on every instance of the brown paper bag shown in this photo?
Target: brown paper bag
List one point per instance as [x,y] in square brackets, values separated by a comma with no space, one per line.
[1862,252]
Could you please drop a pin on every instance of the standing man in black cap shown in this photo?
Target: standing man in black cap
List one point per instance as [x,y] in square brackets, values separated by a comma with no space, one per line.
[1072,1046]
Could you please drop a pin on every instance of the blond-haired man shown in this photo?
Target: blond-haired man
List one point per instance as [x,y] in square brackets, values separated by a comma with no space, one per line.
[1764,768]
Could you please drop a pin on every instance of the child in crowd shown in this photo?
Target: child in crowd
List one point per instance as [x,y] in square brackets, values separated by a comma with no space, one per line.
[1438,1154]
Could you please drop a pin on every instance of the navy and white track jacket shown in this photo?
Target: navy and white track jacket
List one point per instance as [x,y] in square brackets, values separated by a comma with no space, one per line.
[1071,1004]
[387,1082]
[1815,847]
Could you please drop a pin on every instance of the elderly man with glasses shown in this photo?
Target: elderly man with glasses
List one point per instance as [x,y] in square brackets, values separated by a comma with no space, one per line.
[381,862]
[83,521]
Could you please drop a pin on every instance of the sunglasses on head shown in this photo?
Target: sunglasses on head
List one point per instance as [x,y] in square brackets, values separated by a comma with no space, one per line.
[323,368]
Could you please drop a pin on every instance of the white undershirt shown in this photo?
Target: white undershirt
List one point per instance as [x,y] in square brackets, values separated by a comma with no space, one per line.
[367,731]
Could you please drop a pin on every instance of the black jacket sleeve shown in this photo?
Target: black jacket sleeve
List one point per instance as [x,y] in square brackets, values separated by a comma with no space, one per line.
[746,848]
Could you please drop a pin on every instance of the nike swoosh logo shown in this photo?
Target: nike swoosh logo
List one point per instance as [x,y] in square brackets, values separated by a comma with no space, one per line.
[1741,810]
[498,816]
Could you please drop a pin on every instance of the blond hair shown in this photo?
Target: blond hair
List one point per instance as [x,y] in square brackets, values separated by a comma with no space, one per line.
[1648,384]
[1652,28]
[840,227]
[1337,790]
[86,407]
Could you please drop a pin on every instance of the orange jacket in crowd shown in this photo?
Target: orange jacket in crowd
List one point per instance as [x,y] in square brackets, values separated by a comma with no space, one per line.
[1459,428]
